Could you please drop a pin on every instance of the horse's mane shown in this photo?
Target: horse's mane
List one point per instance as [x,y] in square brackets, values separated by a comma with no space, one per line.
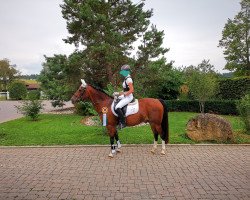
[101,90]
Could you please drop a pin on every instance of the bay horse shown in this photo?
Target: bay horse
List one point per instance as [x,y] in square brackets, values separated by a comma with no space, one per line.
[153,111]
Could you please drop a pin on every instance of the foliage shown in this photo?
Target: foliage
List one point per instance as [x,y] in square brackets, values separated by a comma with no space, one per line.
[30,108]
[110,89]
[233,88]
[34,95]
[58,77]
[57,103]
[17,90]
[7,73]
[171,85]
[158,80]
[84,108]
[236,41]
[243,107]
[67,130]
[222,107]
[108,30]
[202,82]
[29,76]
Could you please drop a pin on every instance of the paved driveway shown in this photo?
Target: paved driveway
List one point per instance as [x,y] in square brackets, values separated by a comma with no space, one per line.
[8,110]
[186,172]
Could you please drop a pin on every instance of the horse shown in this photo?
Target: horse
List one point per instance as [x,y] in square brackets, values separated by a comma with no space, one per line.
[152,111]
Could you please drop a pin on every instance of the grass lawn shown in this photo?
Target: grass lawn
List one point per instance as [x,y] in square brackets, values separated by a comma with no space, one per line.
[67,130]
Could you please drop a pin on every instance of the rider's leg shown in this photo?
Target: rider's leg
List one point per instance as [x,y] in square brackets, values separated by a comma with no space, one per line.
[119,107]
[121,117]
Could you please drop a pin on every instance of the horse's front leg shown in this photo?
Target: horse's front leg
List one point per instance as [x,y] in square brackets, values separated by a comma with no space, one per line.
[113,135]
[118,143]
[112,139]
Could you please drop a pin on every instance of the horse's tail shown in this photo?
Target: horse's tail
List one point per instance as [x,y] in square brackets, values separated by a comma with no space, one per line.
[164,122]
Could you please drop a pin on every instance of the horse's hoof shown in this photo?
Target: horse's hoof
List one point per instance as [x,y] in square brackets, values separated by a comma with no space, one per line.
[118,150]
[111,155]
[163,152]
[153,151]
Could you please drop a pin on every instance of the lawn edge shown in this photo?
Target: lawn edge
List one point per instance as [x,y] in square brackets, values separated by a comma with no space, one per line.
[124,145]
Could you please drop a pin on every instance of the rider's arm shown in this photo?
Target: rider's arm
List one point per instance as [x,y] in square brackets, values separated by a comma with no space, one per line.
[131,89]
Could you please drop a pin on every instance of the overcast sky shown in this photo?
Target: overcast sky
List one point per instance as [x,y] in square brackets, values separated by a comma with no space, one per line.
[30,29]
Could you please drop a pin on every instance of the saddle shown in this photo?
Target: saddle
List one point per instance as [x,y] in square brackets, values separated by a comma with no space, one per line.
[129,109]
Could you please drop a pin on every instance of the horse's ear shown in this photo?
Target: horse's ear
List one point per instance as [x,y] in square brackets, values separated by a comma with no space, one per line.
[84,84]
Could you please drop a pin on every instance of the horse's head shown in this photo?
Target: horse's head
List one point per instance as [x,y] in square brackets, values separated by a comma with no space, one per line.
[81,93]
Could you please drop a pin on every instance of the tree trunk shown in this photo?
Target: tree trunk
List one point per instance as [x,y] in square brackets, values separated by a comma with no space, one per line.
[202,107]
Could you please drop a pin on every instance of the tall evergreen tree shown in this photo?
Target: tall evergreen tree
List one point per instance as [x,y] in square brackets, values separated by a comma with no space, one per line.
[108,30]
[236,41]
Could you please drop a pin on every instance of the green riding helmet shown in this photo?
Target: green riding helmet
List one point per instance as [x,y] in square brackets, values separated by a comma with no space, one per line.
[125,70]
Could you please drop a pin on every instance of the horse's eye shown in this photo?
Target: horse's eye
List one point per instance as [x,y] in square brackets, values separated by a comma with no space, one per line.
[81,89]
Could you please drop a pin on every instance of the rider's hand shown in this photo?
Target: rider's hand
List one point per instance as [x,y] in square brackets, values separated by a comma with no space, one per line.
[116,94]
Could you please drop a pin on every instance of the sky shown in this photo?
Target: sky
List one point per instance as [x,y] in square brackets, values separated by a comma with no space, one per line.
[30,29]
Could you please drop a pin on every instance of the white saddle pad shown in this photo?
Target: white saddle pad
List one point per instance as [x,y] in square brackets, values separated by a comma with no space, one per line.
[132,108]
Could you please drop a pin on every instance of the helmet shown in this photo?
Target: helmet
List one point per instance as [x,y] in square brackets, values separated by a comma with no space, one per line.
[125,70]
[125,67]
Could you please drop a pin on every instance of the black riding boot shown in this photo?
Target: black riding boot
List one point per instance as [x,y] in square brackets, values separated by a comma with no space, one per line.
[121,116]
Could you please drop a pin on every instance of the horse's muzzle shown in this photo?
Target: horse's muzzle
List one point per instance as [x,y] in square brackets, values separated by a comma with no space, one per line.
[73,100]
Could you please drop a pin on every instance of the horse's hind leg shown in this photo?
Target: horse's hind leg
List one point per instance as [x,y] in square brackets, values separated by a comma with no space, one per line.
[159,130]
[153,150]
[163,150]
[163,144]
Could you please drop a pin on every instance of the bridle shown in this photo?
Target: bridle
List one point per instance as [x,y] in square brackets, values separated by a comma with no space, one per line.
[81,91]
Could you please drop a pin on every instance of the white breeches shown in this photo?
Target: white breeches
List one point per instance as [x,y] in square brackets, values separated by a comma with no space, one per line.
[126,100]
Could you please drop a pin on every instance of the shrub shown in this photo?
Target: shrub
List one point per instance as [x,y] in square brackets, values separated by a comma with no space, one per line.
[243,107]
[30,108]
[234,88]
[17,90]
[85,109]
[57,103]
[223,107]
[34,95]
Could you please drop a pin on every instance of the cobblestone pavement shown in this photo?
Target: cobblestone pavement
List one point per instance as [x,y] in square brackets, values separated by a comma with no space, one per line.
[185,172]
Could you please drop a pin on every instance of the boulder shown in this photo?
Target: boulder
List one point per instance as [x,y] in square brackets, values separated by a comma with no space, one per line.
[209,127]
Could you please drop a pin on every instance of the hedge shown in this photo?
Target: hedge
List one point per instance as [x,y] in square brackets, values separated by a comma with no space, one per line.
[223,107]
[234,88]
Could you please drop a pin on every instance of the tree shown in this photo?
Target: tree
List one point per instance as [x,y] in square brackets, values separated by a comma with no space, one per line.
[108,30]
[202,82]
[7,73]
[158,80]
[58,77]
[236,41]
[52,78]
[17,90]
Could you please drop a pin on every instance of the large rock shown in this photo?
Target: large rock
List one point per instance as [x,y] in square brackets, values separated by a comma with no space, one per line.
[206,127]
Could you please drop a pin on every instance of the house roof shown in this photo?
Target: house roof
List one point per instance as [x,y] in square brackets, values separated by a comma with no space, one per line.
[33,86]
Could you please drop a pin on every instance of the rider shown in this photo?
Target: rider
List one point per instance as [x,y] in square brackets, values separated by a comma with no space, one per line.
[126,96]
